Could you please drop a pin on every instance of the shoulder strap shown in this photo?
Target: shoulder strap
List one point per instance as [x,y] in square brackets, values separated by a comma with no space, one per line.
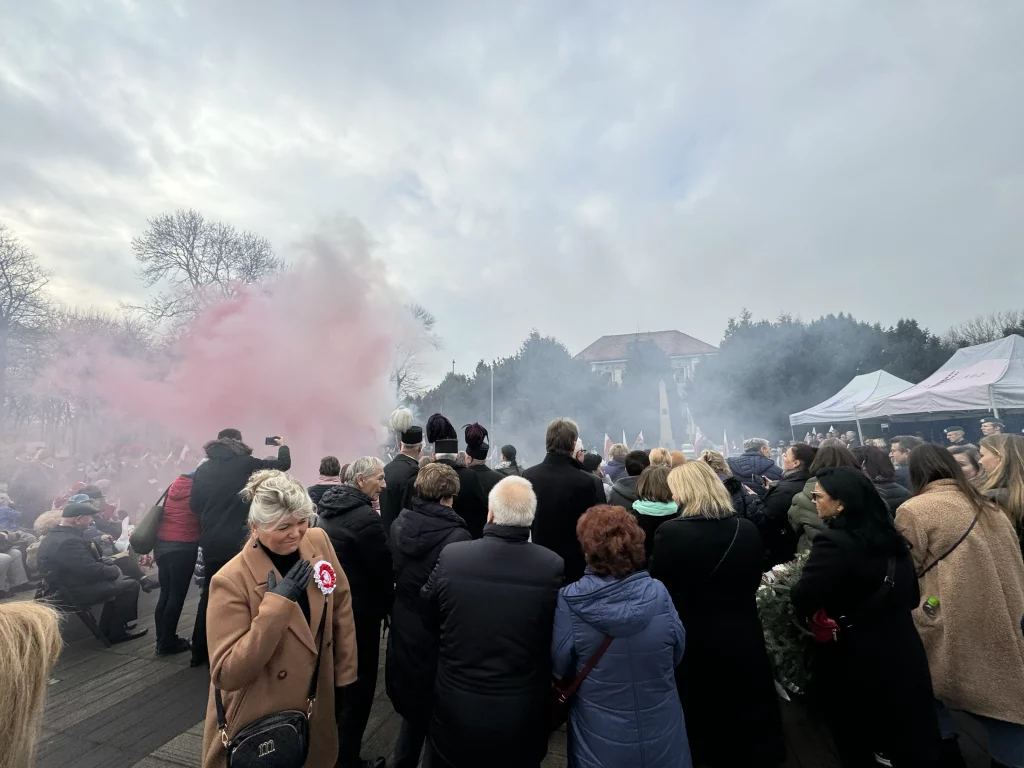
[728,549]
[951,549]
[574,686]
[222,723]
[163,497]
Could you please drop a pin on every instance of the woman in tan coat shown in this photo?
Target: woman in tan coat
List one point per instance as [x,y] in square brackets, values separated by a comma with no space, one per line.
[265,611]
[971,617]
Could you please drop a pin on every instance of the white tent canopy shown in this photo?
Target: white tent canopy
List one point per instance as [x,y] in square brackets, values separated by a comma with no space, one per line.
[987,377]
[843,405]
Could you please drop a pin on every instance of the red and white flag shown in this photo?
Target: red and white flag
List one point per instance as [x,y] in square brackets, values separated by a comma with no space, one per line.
[639,444]
[607,447]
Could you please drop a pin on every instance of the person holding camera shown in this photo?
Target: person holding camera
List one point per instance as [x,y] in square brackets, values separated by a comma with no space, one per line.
[223,513]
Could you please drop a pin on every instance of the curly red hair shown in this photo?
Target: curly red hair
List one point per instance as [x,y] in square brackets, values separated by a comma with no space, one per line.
[612,541]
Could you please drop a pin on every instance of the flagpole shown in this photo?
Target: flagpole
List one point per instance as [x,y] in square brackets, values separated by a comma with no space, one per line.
[492,397]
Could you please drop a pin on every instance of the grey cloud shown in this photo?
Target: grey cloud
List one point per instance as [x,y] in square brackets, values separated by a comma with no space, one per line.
[583,171]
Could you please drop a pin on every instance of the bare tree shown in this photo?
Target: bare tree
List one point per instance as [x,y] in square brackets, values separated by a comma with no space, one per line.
[198,261]
[983,329]
[23,299]
[407,370]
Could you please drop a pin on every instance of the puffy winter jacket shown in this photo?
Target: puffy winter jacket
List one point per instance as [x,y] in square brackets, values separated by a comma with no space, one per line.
[627,711]
[495,601]
[179,522]
[749,467]
[357,534]
[803,516]
[417,538]
[892,493]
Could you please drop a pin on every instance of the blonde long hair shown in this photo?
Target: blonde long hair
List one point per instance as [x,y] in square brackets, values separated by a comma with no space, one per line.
[30,642]
[1010,475]
[698,491]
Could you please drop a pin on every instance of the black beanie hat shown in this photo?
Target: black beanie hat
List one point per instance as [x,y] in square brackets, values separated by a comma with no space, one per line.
[229,434]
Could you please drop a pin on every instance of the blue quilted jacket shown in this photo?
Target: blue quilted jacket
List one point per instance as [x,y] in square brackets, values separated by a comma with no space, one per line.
[627,712]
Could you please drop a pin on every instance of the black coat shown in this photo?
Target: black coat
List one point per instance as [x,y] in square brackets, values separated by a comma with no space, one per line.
[400,476]
[624,492]
[474,484]
[564,492]
[512,470]
[66,560]
[779,537]
[495,603]
[316,492]
[215,499]
[357,534]
[879,659]
[417,538]
[892,493]
[750,466]
[726,667]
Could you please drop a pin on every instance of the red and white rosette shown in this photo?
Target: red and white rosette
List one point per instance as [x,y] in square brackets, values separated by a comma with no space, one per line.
[324,576]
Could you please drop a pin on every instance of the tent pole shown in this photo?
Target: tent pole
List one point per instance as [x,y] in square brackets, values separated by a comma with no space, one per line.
[860,432]
[992,402]
[792,431]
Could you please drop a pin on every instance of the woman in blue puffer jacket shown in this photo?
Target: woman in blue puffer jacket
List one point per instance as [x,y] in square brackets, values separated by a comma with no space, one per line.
[627,711]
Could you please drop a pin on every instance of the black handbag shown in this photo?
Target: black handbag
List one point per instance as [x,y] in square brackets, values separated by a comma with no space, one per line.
[278,740]
[144,537]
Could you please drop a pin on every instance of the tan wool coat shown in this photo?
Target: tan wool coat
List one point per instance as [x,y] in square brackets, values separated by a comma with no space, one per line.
[974,641]
[262,651]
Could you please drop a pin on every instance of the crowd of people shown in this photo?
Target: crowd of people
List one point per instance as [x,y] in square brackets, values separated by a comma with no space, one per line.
[621,590]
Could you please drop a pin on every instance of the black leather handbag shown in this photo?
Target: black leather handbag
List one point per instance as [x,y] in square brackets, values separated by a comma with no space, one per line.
[278,740]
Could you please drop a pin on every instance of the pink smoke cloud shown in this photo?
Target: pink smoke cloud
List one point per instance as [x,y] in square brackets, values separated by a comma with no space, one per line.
[306,356]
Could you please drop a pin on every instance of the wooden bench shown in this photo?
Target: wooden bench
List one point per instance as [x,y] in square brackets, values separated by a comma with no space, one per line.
[60,598]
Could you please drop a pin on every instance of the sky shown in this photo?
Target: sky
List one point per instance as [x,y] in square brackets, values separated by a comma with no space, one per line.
[582,168]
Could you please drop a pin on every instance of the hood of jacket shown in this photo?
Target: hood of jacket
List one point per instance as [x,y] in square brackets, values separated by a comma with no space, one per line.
[655,508]
[180,489]
[223,449]
[627,486]
[423,526]
[616,607]
[340,499]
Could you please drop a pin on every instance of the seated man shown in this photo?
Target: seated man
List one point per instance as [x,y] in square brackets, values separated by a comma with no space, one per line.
[13,577]
[66,560]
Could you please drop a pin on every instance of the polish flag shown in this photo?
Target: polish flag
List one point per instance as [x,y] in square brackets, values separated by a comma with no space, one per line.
[639,444]
[607,447]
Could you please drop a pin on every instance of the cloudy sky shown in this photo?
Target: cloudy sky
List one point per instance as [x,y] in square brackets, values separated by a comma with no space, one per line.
[579,167]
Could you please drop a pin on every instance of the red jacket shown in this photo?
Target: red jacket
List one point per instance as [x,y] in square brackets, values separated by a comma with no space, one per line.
[179,522]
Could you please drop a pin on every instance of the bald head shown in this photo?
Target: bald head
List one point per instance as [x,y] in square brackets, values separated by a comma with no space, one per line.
[512,502]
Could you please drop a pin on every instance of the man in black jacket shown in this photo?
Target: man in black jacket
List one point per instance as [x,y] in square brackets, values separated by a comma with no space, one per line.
[67,561]
[564,492]
[400,473]
[494,600]
[357,533]
[223,514]
[624,491]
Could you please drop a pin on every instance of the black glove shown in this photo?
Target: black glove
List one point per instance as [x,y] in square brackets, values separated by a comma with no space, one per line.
[294,583]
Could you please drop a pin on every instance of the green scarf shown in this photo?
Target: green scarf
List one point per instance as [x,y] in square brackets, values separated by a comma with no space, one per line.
[656,508]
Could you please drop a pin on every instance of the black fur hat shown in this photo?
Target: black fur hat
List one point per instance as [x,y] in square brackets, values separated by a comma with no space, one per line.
[442,434]
[476,442]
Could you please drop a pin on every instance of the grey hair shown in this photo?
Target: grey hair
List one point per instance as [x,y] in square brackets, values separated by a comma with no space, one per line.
[513,502]
[275,496]
[362,467]
[755,444]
